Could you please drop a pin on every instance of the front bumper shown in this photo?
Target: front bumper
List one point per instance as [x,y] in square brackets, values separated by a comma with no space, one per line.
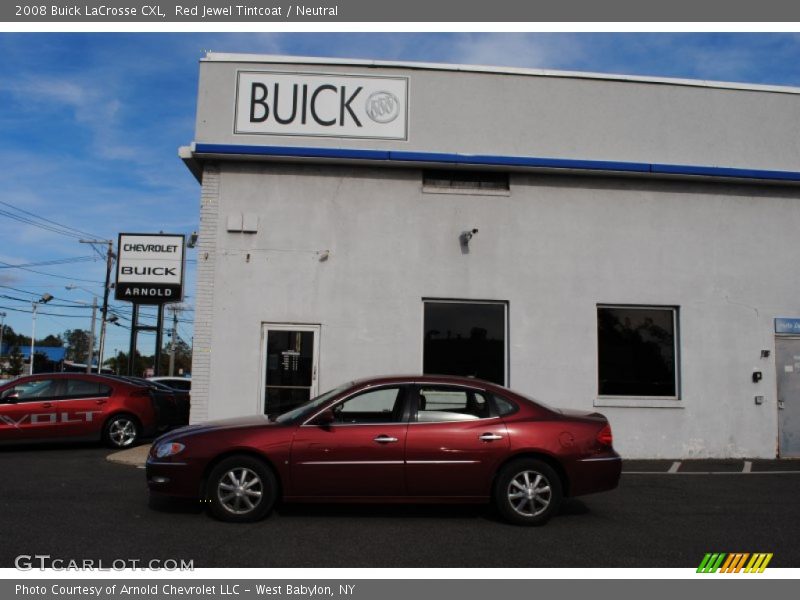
[173,478]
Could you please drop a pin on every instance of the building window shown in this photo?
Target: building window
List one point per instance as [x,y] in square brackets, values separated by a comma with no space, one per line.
[465,338]
[637,351]
[465,182]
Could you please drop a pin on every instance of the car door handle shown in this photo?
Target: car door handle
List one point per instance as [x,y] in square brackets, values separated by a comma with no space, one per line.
[101,401]
[488,437]
[385,439]
[47,405]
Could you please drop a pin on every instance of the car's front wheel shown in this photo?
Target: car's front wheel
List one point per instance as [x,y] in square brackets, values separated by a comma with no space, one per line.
[527,492]
[121,431]
[241,489]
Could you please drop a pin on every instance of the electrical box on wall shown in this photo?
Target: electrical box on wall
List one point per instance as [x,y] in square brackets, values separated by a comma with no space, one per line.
[242,223]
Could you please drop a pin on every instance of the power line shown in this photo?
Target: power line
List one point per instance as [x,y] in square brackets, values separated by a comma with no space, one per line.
[81,306]
[52,274]
[62,229]
[38,312]
[46,263]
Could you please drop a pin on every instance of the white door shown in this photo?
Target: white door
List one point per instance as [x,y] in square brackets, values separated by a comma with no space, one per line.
[290,359]
[787,361]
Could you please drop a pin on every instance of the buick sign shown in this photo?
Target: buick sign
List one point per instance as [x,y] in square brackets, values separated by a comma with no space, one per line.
[383,107]
[150,268]
[305,104]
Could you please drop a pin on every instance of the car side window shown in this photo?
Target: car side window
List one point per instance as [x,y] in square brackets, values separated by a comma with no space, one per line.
[441,405]
[83,388]
[384,405]
[32,391]
[504,407]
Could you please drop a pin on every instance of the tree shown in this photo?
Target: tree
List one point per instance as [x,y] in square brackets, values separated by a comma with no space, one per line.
[15,362]
[52,341]
[11,338]
[77,343]
[183,357]
[42,364]
[119,364]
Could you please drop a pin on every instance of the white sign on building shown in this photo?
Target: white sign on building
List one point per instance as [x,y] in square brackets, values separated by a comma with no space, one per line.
[302,104]
[150,268]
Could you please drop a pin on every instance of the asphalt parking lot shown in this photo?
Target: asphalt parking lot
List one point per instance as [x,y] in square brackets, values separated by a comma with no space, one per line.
[70,502]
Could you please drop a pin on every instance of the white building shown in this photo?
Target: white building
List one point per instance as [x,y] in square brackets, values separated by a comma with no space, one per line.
[611,243]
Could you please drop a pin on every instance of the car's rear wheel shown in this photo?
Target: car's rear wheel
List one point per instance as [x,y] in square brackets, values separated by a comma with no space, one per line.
[241,489]
[121,431]
[527,492]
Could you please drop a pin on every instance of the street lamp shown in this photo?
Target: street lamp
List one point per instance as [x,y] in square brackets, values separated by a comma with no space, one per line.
[90,353]
[43,300]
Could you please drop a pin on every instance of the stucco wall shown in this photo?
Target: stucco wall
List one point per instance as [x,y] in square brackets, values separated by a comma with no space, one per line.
[554,248]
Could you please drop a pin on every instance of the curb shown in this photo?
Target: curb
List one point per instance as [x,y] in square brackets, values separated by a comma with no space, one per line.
[134,457]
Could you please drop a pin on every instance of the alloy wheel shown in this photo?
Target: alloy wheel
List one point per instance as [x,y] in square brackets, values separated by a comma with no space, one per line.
[122,432]
[240,490]
[529,493]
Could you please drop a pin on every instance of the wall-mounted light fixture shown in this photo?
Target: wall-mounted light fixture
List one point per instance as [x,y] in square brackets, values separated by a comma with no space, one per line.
[466,236]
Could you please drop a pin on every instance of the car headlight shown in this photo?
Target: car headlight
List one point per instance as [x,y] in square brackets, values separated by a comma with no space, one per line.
[168,449]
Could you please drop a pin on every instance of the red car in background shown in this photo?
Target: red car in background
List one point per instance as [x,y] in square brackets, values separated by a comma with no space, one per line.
[393,439]
[69,406]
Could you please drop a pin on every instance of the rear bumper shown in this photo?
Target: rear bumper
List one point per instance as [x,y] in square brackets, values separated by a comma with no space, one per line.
[595,474]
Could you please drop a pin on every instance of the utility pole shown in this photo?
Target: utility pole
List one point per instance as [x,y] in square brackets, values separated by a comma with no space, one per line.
[90,353]
[104,311]
[175,310]
[2,330]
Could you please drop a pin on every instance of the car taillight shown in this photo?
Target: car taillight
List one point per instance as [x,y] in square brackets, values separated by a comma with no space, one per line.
[604,437]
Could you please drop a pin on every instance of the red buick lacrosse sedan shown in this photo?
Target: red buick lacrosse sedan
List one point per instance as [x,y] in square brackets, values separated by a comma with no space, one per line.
[393,439]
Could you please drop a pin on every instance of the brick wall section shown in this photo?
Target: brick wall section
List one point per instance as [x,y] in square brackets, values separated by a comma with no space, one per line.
[204,295]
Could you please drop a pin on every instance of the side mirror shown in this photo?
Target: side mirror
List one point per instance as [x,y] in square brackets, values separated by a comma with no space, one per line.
[326,417]
[11,398]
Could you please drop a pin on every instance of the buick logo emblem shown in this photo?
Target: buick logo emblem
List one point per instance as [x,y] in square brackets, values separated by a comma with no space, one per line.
[382,107]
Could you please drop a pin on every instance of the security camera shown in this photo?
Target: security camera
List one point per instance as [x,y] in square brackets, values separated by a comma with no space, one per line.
[466,236]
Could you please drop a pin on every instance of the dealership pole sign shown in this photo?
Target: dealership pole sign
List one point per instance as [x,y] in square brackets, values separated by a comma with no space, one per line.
[150,268]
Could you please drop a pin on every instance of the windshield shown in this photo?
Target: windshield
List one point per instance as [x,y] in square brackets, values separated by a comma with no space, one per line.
[310,406]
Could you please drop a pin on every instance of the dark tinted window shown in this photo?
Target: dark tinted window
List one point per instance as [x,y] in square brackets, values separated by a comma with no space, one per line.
[290,363]
[466,180]
[465,338]
[503,406]
[82,388]
[438,404]
[180,384]
[33,391]
[637,351]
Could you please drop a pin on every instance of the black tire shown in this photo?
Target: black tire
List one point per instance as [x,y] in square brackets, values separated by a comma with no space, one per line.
[122,431]
[527,492]
[241,489]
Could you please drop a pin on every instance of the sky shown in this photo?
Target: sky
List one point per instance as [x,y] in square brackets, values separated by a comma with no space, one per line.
[90,125]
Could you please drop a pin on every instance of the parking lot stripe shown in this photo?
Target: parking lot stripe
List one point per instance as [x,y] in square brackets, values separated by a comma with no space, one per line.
[711,473]
[675,466]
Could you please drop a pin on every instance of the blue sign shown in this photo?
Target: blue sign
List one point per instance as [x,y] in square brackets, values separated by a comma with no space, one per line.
[784,325]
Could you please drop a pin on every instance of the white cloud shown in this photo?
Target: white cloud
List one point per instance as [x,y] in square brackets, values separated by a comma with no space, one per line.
[516,50]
